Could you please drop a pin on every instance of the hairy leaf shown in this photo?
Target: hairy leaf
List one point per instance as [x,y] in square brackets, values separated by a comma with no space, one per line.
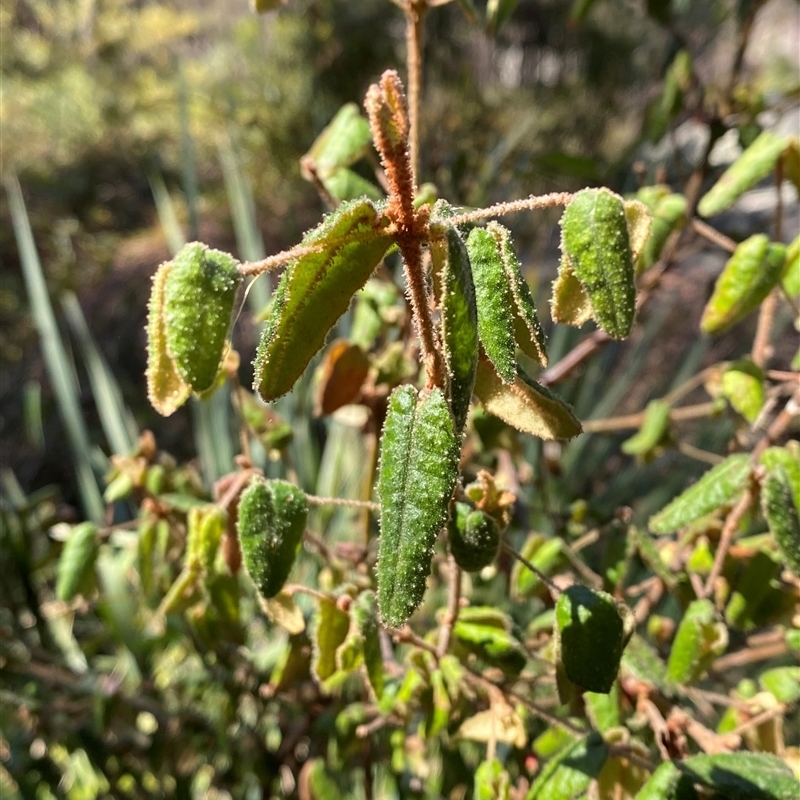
[720,485]
[781,513]
[315,291]
[272,518]
[166,389]
[590,637]
[654,426]
[787,457]
[751,273]
[743,388]
[744,776]
[418,470]
[459,319]
[661,784]
[595,245]
[328,632]
[364,617]
[473,536]
[755,163]
[526,405]
[568,775]
[569,305]
[199,293]
[700,638]
[495,303]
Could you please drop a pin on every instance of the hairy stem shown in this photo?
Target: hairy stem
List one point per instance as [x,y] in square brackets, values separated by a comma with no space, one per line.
[415,34]
[453,606]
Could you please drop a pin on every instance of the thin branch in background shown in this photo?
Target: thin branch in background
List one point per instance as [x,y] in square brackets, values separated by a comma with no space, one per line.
[453,606]
[545,579]
[713,235]
[699,455]
[415,34]
[728,529]
[634,421]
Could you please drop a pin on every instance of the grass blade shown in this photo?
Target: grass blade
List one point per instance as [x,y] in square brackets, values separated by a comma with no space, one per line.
[165,209]
[117,421]
[65,386]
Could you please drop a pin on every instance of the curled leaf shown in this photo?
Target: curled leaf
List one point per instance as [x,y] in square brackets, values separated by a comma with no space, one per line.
[272,518]
[418,470]
[166,389]
[199,293]
[751,273]
[595,246]
[755,163]
[526,405]
[459,319]
[315,291]
[654,427]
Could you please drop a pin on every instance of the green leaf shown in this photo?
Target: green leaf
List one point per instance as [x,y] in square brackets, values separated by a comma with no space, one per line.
[315,291]
[743,388]
[76,564]
[717,487]
[755,163]
[544,553]
[568,775]
[654,427]
[787,457]
[199,293]
[782,682]
[595,246]
[790,280]
[661,784]
[495,303]
[750,589]
[272,519]
[743,776]
[603,709]
[507,317]
[459,319]
[491,781]
[493,645]
[364,616]
[344,184]
[590,636]
[345,139]
[781,513]
[329,630]
[751,273]
[527,328]
[526,405]
[205,528]
[642,662]
[417,473]
[668,211]
[700,638]
[473,536]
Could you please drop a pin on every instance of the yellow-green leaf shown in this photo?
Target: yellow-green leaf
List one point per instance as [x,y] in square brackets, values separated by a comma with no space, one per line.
[654,427]
[749,276]
[782,516]
[755,163]
[595,245]
[166,389]
[77,560]
[700,638]
[743,388]
[526,405]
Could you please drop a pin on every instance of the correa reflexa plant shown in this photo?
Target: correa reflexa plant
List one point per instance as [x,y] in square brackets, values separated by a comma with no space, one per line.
[483,625]
[471,313]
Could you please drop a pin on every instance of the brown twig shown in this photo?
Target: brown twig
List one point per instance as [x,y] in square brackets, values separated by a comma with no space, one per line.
[453,606]
[728,529]
[634,421]
[546,580]
[415,30]
[713,235]
[572,360]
